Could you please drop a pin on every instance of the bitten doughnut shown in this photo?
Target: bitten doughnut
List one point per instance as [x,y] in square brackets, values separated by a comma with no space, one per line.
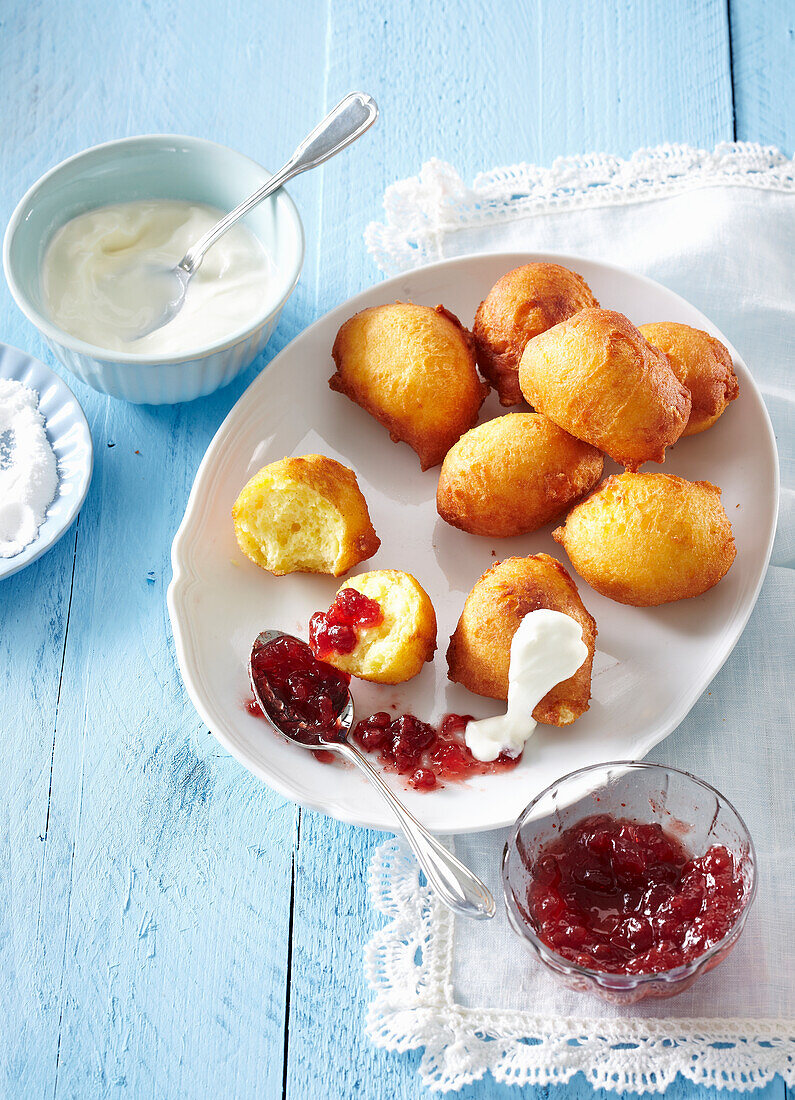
[703,366]
[598,378]
[513,474]
[304,515]
[647,539]
[480,649]
[413,369]
[522,304]
[381,626]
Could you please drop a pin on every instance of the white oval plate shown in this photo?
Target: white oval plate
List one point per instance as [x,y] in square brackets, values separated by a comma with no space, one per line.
[652,665]
[69,435]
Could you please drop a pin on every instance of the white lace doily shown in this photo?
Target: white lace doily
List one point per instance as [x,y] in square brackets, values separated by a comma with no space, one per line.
[409,965]
[719,228]
[423,210]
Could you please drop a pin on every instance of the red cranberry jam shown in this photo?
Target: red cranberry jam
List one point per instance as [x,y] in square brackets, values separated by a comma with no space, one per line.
[307,693]
[334,631]
[422,752]
[615,895]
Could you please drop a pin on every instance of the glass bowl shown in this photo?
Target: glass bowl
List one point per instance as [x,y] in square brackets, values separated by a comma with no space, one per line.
[682,804]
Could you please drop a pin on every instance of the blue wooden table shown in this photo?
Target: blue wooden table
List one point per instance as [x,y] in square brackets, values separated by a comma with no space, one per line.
[169,927]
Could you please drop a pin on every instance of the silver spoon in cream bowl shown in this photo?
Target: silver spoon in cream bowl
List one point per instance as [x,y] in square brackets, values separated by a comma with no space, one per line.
[167,286]
[324,721]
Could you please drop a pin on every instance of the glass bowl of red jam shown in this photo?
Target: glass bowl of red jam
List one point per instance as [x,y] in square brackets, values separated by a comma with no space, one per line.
[629,880]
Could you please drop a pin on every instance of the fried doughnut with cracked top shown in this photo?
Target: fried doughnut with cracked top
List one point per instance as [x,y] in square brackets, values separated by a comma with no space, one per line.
[304,515]
[413,369]
[394,650]
[598,378]
[702,364]
[513,474]
[647,539]
[479,653]
[522,304]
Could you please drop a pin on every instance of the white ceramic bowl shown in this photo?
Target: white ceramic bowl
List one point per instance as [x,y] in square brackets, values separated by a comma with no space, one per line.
[152,166]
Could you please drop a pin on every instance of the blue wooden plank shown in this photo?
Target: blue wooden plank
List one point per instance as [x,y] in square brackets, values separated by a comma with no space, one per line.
[763,69]
[33,630]
[146,939]
[530,81]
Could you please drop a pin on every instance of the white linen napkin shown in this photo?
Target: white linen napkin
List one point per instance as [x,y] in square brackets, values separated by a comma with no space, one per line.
[718,228]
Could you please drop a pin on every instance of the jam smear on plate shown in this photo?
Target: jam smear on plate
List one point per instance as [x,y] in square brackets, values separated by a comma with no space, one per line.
[424,753]
[334,631]
[616,895]
[309,694]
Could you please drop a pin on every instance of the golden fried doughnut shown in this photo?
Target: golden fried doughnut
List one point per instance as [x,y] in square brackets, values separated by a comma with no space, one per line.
[647,539]
[395,649]
[512,475]
[479,654]
[522,304]
[304,515]
[703,366]
[413,369]
[601,381]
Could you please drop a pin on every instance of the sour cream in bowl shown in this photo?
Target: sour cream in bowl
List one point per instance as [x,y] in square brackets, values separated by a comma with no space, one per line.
[73,246]
[98,284]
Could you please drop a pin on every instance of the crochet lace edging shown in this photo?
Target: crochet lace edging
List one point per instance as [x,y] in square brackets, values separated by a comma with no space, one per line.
[408,965]
[422,209]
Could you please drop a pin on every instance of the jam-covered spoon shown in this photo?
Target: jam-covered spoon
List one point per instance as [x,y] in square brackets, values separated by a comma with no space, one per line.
[281,667]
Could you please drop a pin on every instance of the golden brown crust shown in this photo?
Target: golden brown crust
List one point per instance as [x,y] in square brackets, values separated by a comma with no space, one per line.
[480,648]
[413,369]
[288,510]
[514,474]
[601,381]
[648,539]
[522,304]
[702,364]
[396,649]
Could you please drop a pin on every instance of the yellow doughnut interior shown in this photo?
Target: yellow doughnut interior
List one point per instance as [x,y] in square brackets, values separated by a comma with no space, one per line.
[304,515]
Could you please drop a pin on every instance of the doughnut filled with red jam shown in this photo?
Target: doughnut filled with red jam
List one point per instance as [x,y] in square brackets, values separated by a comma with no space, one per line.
[426,754]
[334,631]
[616,895]
[305,694]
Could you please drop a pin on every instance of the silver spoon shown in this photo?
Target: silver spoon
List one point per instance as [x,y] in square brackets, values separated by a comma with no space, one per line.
[454,883]
[352,116]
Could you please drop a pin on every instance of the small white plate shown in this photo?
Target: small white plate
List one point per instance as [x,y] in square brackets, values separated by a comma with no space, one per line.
[70,438]
[652,664]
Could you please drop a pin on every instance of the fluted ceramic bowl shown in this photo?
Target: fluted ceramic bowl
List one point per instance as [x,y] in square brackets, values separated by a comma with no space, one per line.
[682,804]
[160,166]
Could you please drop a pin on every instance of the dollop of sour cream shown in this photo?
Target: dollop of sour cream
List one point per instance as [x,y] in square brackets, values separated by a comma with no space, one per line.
[546,648]
[97,277]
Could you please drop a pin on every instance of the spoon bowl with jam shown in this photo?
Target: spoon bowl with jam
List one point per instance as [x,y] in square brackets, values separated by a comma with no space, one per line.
[309,702]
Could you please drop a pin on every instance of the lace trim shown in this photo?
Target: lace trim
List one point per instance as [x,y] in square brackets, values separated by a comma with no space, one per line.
[408,964]
[421,210]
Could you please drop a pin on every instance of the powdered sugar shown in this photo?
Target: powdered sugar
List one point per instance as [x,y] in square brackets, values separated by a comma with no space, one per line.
[28,468]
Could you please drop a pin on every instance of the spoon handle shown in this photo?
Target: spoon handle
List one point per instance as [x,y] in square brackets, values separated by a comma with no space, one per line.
[348,121]
[455,884]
